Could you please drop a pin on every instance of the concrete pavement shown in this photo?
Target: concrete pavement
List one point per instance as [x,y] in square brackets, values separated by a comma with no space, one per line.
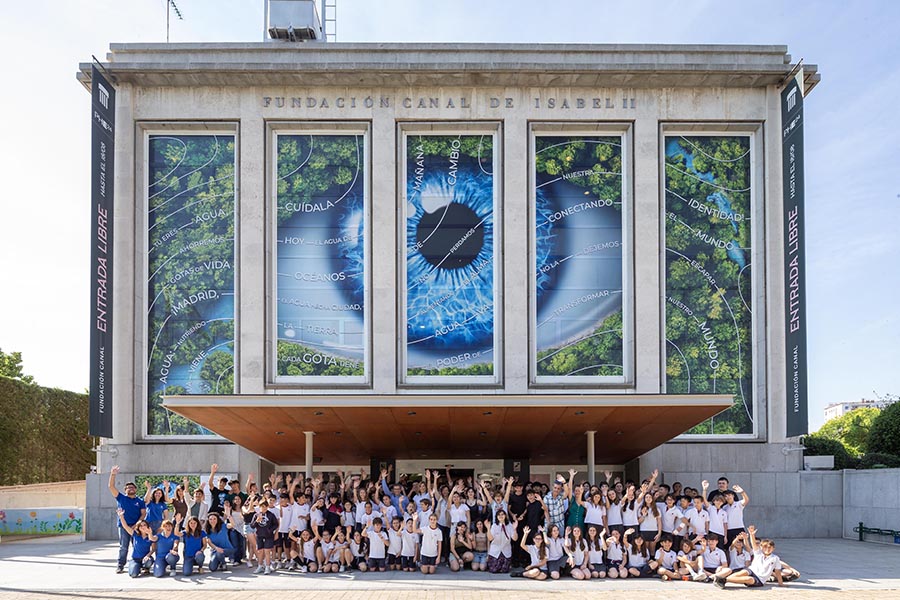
[63,569]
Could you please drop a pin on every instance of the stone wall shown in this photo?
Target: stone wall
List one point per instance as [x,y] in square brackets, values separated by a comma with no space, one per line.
[873,498]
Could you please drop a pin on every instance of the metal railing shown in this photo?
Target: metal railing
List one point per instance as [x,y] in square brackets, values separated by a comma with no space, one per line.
[862,530]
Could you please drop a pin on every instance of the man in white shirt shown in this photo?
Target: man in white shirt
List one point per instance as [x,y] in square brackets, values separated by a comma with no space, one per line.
[765,564]
[734,508]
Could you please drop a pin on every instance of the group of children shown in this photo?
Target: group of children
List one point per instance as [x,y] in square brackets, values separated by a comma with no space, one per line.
[612,530]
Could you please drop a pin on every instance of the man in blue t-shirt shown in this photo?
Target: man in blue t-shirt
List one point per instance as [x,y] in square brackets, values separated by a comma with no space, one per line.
[134,508]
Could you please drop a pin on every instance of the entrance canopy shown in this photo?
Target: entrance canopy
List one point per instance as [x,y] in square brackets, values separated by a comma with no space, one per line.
[352,429]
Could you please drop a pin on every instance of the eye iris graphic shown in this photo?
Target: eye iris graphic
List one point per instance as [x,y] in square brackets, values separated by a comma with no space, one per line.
[450,262]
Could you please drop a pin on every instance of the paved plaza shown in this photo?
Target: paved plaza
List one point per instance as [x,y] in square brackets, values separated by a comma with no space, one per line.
[67,570]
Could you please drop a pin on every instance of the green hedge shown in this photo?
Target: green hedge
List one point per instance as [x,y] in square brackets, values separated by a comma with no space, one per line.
[43,434]
[819,446]
[879,460]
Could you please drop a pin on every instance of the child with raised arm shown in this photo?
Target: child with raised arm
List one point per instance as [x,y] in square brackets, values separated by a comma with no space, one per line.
[638,555]
[615,557]
[378,544]
[577,549]
[166,548]
[765,563]
[537,553]
[501,535]
[193,540]
[142,537]
[734,507]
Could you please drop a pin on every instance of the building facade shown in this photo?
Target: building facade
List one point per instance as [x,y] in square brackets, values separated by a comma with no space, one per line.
[514,259]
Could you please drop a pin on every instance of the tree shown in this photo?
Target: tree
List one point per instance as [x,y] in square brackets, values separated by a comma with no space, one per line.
[885,433]
[851,429]
[11,366]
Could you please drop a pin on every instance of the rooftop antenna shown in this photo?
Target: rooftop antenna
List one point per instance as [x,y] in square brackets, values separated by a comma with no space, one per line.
[170,6]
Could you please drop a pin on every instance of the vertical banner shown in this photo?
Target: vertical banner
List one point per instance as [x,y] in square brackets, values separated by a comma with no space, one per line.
[794,255]
[709,291]
[450,238]
[191,272]
[103,136]
[321,258]
[578,271]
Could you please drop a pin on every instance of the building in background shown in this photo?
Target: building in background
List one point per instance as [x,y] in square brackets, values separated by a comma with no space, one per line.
[514,259]
[837,409]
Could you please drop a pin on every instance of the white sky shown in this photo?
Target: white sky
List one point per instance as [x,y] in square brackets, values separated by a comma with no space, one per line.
[852,154]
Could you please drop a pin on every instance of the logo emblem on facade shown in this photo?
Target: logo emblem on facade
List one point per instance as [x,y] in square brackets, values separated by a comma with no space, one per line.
[103,95]
[791,99]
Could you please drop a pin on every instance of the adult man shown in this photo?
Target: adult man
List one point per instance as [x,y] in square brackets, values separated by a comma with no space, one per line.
[395,492]
[135,510]
[721,488]
[557,503]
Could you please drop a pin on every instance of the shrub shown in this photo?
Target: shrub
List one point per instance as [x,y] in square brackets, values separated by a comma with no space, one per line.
[884,437]
[879,460]
[819,446]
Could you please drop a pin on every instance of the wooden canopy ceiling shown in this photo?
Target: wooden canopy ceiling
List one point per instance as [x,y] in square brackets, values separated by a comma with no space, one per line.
[351,429]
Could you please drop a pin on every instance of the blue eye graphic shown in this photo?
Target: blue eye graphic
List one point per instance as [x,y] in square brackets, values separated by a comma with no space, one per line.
[449,253]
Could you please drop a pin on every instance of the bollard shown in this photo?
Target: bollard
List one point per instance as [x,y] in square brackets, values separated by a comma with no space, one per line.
[861,531]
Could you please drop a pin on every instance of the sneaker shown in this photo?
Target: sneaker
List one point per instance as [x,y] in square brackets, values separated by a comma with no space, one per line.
[342,569]
[720,582]
[290,566]
[268,571]
[665,577]
[303,569]
[276,565]
[699,576]
[120,569]
[259,569]
[249,564]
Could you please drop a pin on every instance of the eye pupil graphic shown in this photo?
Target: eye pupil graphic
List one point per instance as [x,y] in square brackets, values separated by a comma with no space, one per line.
[450,237]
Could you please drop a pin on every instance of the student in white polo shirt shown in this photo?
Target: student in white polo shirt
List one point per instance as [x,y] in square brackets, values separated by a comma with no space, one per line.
[698,518]
[765,564]
[432,538]
[734,507]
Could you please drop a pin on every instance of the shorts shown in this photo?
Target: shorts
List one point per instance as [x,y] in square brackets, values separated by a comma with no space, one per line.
[480,557]
[355,561]
[429,561]
[644,570]
[392,559]
[648,536]
[598,568]
[265,543]
[757,582]
[557,565]
[408,562]
[710,570]
[614,564]
[376,563]
[283,541]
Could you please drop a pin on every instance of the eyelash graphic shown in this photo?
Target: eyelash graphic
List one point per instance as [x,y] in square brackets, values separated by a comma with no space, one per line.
[450,254]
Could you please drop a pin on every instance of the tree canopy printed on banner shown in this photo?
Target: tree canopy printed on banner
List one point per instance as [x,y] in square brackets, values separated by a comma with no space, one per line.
[578,256]
[708,344]
[190,286]
[320,255]
[450,255]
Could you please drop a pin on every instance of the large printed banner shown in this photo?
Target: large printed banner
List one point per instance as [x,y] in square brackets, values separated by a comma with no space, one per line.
[578,257]
[450,261]
[708,314]
[191,276]
[794,255]
[103,140]
[321,259]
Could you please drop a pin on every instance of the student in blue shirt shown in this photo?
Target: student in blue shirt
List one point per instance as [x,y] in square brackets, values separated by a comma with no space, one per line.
[217,538]
[166,548]
[193,540]
[157,507]
[134,510]
[143,538]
